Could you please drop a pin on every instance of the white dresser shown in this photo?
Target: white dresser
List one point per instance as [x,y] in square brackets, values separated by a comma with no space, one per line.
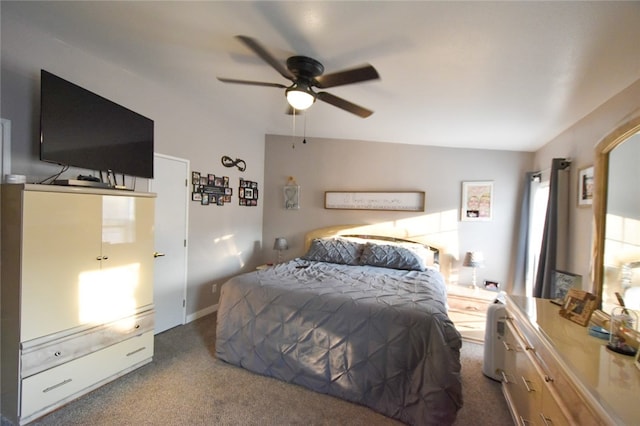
[555,373]
[77,292]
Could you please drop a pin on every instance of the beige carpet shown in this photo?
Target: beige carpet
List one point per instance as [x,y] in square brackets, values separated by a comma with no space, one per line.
[187,385]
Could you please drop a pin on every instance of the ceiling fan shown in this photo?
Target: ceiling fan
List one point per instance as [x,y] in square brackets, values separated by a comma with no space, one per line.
[305,74]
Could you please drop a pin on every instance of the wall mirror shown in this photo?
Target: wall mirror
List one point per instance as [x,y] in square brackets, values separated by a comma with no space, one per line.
[616,212]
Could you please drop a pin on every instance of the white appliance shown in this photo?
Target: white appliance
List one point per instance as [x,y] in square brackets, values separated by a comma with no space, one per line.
[493,347]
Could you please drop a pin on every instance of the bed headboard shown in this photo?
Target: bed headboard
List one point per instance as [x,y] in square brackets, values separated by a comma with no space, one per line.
[374,232]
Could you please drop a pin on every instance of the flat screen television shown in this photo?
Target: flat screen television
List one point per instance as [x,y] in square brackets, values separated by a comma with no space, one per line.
[82,129]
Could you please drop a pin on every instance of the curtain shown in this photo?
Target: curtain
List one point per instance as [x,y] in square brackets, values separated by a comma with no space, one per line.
[544,286]
[522,249]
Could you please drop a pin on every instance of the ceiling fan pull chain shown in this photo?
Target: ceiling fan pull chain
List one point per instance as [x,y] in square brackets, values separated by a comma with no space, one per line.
[293,131]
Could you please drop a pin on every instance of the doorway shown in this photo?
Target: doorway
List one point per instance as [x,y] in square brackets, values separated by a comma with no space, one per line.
[171,185]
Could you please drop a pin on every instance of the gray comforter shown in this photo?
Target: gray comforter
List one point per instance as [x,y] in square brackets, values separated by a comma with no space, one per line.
[374,336]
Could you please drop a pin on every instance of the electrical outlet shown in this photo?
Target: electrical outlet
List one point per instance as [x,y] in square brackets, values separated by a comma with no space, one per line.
[214,288]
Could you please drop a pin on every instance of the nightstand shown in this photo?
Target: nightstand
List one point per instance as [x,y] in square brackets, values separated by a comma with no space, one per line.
[468,310]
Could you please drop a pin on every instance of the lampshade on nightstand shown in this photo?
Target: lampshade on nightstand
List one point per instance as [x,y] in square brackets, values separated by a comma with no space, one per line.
[473,259]
[280,244]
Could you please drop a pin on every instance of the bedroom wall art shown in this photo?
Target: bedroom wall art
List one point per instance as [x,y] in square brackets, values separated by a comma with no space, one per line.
[210,189]
[477,201]
[291,192]
[230,162]
[248,193]
[585,186]
[375,200]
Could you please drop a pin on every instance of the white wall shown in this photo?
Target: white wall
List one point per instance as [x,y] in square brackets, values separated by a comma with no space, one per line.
[331,164]
[578,143]
[222,240]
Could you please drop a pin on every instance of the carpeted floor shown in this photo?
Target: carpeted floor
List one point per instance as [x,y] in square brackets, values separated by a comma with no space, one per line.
[187,385]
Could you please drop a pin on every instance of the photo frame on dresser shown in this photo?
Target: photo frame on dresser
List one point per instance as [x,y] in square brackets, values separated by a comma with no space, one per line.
[578,306]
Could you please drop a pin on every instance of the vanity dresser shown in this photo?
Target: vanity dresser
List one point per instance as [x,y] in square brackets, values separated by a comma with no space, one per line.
[555,373]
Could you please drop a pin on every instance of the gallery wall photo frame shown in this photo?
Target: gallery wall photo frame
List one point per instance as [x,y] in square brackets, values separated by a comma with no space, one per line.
[477,201]
[585,186]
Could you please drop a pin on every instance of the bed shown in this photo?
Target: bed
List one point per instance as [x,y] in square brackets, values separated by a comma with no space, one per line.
[351,318]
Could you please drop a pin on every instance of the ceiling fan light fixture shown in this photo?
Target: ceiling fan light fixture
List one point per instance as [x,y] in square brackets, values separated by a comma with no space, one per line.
[300,96]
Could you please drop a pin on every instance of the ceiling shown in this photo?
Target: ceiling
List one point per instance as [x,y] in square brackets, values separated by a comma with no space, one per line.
[492,75]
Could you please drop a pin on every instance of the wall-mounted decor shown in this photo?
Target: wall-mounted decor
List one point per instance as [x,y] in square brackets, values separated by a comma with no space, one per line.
[375,200]
[291,193]
[248,193]
[477,201]
[210,189]
[585,186]
[230,162]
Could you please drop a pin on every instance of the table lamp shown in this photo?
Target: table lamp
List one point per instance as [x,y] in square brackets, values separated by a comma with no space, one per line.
[280,244]
[473,259]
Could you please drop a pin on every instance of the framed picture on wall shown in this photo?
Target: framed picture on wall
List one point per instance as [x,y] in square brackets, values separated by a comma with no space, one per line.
[585,186]
[477,201]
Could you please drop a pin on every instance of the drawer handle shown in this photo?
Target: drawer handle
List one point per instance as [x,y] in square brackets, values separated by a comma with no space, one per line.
[548,379]
[507,346]
[505,379]
[526,385]
[524,421]
[471,308]
[57,353]
[62,383]
[137,350]
[547,421]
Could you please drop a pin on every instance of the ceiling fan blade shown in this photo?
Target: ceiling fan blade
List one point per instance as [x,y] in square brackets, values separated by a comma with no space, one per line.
[344,104]
[259,50]
[252,83]
[354,75]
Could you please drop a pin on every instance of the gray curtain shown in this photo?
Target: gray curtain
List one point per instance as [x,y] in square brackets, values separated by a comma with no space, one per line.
[522,250]
[544,286]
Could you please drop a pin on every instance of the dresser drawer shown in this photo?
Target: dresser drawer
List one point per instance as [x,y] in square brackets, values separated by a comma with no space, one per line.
[42,356]
[48,390]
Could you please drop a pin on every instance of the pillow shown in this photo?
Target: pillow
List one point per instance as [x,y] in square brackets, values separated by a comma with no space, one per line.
[334,250]
[396,256]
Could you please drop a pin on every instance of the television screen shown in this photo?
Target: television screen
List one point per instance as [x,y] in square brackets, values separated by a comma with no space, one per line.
[82,129]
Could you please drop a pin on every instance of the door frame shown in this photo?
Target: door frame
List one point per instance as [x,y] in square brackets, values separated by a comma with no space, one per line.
[187,198]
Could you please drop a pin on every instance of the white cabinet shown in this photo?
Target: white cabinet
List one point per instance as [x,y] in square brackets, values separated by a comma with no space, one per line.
[77,292]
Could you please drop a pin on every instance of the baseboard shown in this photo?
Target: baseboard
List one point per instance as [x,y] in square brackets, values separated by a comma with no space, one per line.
[201,313]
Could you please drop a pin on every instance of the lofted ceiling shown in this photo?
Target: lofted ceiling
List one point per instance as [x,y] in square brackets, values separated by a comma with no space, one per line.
[493,75]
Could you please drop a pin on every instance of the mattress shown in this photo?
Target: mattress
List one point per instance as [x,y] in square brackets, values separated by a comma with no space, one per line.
[374,336]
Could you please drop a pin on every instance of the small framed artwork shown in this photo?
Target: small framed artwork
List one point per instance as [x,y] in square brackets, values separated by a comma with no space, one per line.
[585,186]
[195,178]
[477,201]
[578,306]
[196,196]
[292,197]
[204,199]
[562,282]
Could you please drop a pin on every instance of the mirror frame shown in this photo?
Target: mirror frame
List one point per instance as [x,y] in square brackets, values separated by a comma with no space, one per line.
[601,176]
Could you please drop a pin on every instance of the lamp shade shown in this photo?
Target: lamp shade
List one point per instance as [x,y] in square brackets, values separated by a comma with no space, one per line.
[280,244]
[473,259]
[299,100]
[300,96]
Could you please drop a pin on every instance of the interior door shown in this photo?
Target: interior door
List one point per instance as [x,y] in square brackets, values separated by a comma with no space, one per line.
[170,183]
